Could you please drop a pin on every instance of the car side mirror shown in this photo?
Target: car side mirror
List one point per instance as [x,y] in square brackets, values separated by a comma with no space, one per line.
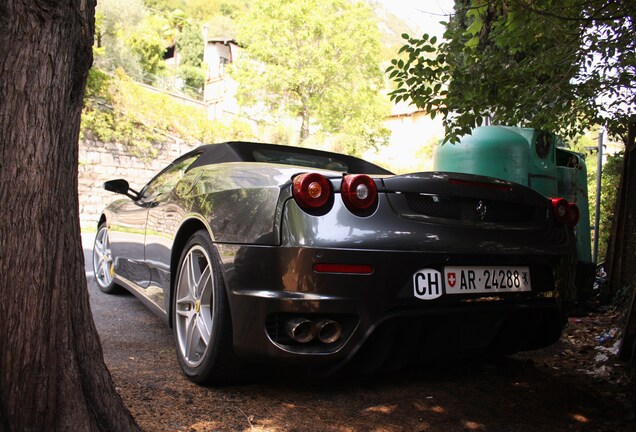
[121,186]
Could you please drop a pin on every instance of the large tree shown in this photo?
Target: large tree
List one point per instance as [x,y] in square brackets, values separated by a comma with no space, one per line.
[315,59]
[52,375]
[561,66]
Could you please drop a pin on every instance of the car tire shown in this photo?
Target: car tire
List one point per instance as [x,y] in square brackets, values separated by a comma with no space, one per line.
[202,324]
[103,268]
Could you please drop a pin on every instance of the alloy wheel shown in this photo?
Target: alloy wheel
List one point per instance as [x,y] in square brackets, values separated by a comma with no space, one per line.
[103,259]
[193,305]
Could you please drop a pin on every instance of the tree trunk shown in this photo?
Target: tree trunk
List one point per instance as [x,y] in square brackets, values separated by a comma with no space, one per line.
[622,259]
[52,373]
[304,125]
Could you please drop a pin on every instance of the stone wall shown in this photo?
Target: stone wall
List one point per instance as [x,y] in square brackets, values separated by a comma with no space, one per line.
[99,162]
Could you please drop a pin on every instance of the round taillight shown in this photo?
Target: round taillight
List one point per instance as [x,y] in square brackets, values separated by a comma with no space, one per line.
[358,192]
[560,209]
[311,190]
[573,214]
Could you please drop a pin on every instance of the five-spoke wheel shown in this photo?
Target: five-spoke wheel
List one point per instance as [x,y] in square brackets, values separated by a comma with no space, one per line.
[193,300]
[200,313]
[103,262]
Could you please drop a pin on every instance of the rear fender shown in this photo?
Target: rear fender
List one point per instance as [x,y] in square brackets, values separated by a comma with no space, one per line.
[185,231]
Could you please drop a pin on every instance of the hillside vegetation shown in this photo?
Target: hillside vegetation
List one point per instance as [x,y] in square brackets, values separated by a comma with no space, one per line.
[133,37]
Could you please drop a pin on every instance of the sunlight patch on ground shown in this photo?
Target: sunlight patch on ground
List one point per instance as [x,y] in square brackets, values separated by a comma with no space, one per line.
[204,426]
[473,426]
[437,409]
[579,418]
[381,409]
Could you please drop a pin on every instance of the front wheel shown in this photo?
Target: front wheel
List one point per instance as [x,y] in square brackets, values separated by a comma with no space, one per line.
[201,315]
[103,266]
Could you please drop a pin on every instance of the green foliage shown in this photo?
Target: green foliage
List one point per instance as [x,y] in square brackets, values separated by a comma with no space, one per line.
[194,79]
[239,130]
[230,9]
[130,38]
[610,180]
[190,45]
[97,118]
[134,37]
[336,45]
[222,26]
[356,144]
[115,54]
[105,119]
[318,60]
[118,16]
[201,10]
[97,86]
[119,110]
[149,46]
[280,134]
[523,63]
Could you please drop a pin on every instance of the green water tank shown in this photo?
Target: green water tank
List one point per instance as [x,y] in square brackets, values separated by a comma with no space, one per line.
[521,155]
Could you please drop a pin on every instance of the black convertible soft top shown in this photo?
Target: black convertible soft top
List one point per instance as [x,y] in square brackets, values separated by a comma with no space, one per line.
[241,151]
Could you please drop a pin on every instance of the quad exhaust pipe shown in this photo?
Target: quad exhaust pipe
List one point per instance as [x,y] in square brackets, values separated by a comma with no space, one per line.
[303,330]
[328,331]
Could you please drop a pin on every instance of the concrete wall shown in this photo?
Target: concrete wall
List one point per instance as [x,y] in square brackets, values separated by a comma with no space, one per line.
[99,162]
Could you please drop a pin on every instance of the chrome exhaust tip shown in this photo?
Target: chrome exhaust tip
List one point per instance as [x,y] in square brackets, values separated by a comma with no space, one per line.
[301,330]
[329,331]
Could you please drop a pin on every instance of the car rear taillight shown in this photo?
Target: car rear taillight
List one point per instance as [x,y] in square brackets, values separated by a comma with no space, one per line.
[573,214]
[358,192]
[565,212]
[559,209]
[311,191]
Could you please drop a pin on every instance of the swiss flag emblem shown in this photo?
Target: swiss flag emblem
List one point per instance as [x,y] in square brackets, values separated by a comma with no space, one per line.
[451,279]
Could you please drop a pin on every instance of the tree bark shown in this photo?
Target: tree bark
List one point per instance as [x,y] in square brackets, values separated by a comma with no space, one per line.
[304,125]
[52,373]
[622,261]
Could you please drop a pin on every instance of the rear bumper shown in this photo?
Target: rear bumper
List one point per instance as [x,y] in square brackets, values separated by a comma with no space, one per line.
[267,286]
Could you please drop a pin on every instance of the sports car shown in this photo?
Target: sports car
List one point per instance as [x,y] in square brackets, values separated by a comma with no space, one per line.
[258,253]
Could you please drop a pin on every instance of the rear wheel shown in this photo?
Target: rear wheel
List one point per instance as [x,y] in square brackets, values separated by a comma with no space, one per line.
[103,266]
[201,315]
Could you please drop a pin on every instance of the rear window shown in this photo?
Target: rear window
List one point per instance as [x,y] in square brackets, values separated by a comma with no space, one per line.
[299,159]
[239,151]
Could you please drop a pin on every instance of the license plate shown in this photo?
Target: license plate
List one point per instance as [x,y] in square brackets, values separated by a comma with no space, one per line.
[429,284]
[486,279]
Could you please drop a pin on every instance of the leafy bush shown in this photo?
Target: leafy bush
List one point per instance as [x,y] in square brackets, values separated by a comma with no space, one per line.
[194,80]
[147,43]
[118,109]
